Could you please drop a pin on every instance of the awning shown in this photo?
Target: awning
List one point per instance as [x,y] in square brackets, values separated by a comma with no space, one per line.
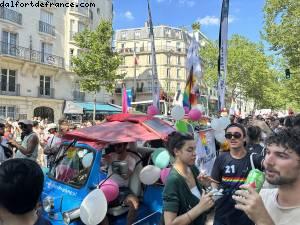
[81,107]
[72,108]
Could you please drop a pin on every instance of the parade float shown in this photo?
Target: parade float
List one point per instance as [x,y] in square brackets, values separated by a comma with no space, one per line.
[77,189]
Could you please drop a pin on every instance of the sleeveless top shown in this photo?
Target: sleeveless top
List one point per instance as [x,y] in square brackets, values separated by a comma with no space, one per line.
[33,155]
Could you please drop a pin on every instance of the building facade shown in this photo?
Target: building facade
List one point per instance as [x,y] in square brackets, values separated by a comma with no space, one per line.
[171,44]
[36,46]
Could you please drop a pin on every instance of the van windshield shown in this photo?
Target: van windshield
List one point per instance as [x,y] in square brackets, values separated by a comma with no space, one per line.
[73,167]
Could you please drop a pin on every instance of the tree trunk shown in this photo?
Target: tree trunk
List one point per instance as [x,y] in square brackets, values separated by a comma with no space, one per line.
[94,112]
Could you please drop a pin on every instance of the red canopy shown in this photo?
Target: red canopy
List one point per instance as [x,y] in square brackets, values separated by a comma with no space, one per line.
[122,128]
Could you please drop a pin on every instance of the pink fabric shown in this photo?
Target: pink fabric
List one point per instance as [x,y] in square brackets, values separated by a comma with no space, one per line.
[65,173]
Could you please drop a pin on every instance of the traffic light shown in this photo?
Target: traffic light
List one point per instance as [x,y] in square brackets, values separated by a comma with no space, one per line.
[287,74]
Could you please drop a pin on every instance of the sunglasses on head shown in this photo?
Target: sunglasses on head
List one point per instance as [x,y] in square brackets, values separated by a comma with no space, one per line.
[236,135]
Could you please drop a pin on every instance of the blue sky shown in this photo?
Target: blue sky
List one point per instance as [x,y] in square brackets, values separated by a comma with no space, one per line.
[245,16]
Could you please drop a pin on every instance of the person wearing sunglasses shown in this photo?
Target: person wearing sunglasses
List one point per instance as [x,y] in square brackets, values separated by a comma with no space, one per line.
[229,172]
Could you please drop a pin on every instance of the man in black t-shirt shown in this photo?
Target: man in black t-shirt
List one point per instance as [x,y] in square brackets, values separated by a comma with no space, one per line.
[230,170]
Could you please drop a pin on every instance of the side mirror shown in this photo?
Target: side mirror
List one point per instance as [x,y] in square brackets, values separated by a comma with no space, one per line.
[120,167]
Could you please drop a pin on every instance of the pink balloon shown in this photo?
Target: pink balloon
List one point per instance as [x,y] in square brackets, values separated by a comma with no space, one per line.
[152,110]
[164,173]
[110,189]
[186,109]
[195,114]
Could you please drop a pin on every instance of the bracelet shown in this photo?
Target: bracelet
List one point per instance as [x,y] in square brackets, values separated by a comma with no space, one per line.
[188,215]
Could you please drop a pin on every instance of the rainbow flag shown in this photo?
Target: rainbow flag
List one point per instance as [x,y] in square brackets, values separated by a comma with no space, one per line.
[191,91]
[124,101]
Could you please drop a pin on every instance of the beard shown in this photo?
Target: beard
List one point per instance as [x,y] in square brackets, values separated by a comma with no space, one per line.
[279,180]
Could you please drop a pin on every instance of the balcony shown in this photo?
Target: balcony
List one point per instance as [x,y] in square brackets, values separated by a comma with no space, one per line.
[159,48]
[11,90]
[46,28]
[45,92]
[79,10]
[78,96]
[10,15]
[31,55]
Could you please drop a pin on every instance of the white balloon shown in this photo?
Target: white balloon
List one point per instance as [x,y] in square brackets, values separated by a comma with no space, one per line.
[177,112]
[224,122]
[215,124]
[149,174]
[87,160]
[220,136]
[93,208]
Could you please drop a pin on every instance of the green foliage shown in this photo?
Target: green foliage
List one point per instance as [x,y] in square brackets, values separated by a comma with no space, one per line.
[248,70]
[196,26]
[282,28]
[97,64]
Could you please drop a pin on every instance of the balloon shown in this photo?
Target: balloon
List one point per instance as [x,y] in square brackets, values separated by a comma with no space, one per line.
[93,208]
[110,189]
[181,126]
[161,158]
[195,114]
[177,112]
[87,160]
[224,122]
[149,174]
[220,136]
[164,173]
[152,110]
[186,109]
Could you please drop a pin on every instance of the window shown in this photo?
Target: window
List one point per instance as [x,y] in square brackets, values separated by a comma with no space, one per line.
[137,34]
[178,74]
[150,59]
[45,85]
[46,50]
[7,111]
[81,27]
[123,35]
[178,45]
[167,32]
[71,55]
[149,46]
[8,80]
[168,45]
[178,86]
[46,17]
[168,59]
[9,42]
[168,73]
[98,11]
[149,86]
[178,60]
[137,46]
[178,34]
[123,60]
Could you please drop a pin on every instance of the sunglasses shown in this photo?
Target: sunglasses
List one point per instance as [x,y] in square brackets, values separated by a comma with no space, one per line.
[236,135]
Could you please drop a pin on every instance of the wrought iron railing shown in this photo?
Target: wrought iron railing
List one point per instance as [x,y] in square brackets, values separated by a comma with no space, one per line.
[159,48]
[11,15]
[81,10]
[31,55]
[45,92]
[13,92]
[46,28]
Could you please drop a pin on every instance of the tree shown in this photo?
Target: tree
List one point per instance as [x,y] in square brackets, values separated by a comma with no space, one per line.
[196,26]
[248,69]
[282,29]
[97,64]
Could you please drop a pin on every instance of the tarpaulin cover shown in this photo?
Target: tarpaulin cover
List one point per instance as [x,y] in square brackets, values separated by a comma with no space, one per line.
[123,128]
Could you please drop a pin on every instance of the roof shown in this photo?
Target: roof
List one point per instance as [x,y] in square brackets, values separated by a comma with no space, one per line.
[79,107]
[122,128]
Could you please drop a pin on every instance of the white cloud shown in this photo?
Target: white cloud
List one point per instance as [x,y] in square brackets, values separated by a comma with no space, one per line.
[189,3]
[213,20]
[128,15]
[209,20]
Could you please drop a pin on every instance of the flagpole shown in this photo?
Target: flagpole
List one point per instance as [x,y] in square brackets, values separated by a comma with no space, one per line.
[222,60]
[134,77]
[155,82]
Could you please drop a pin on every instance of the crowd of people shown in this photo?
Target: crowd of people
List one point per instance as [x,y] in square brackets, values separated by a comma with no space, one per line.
[267,143]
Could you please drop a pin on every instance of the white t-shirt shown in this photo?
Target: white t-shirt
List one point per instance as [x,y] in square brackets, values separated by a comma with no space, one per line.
[116,177]
[53,141]
[280,215]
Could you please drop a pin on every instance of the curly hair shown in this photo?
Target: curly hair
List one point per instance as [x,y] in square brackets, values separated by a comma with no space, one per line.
[287,138]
